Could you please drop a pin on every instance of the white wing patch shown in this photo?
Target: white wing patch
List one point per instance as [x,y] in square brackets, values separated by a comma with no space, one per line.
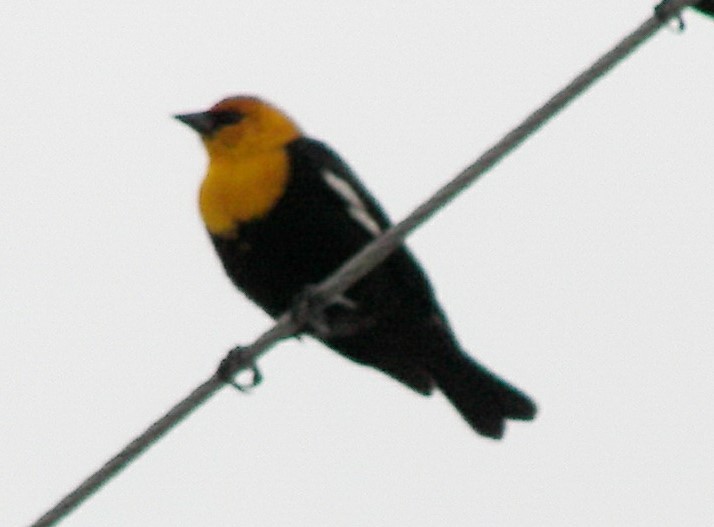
[355,205]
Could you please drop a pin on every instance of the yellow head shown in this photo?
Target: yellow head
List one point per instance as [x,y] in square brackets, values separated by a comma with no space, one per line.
[248,166]
[241,126]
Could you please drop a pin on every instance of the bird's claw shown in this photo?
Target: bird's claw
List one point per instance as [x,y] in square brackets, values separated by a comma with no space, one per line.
[663,13]
[342,301]
[308,310]
[234,363]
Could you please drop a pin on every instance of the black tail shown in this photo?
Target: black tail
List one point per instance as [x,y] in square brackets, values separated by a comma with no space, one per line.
[483,399]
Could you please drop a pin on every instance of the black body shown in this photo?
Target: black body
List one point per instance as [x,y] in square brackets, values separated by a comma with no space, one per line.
[397,325]
[706,7]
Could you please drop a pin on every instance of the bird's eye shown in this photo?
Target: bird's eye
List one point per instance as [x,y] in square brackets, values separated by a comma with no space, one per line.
[224,118]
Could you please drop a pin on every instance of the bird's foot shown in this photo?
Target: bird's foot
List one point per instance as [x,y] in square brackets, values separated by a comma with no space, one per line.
[664,12]
[233,364]
[310,311]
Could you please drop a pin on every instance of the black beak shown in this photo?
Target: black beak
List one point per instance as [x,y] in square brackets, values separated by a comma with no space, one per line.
[203,122]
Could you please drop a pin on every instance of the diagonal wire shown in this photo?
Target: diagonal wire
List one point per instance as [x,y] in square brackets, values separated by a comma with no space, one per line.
[366,260]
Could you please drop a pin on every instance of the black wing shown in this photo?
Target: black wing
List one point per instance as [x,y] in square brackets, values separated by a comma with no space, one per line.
[336,174]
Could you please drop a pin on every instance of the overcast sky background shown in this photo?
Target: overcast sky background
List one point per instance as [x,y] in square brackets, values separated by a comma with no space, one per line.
[581,268]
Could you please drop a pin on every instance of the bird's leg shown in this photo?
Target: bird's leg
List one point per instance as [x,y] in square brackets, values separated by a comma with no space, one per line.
[663,12]
[310,311]
[233,364]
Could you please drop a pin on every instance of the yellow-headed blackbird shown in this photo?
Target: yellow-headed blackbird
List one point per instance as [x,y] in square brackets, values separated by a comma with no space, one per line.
[284,211]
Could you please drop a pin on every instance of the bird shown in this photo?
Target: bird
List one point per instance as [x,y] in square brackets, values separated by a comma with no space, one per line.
[283,211]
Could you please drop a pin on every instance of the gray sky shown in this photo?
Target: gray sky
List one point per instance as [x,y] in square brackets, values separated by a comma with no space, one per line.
[580,268]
